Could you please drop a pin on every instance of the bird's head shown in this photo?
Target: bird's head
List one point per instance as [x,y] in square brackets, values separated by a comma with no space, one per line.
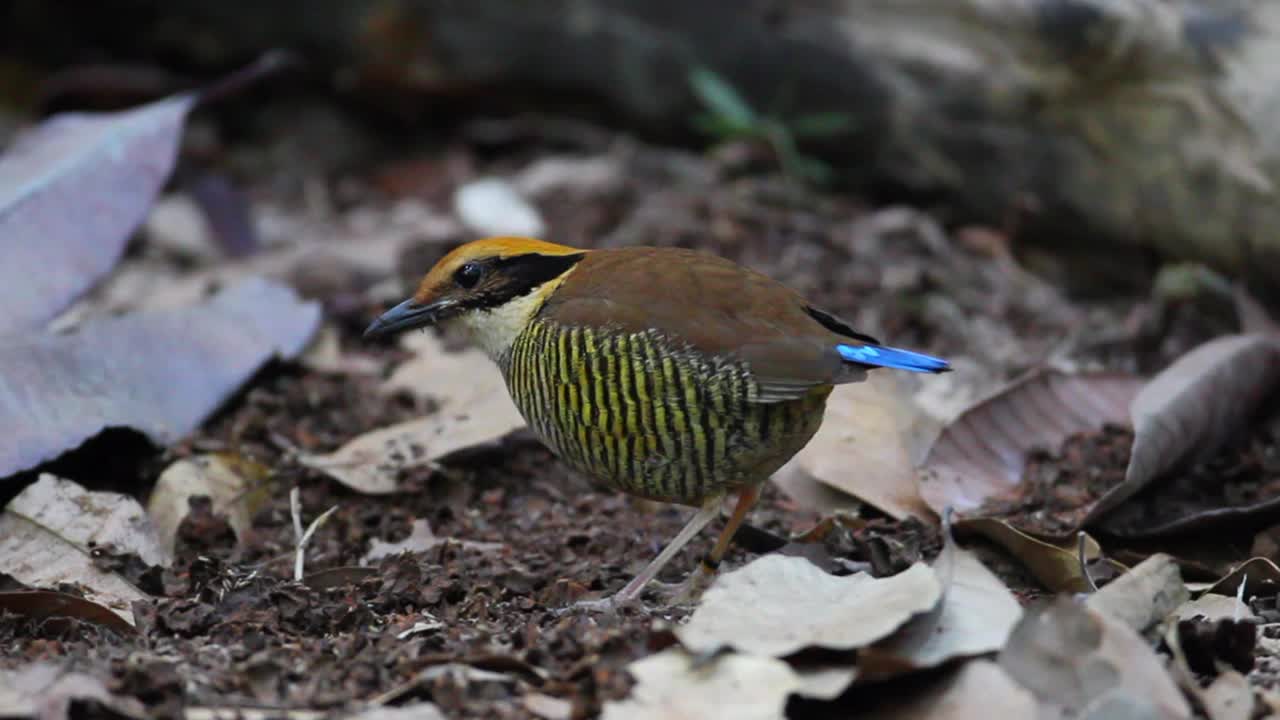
[491,287]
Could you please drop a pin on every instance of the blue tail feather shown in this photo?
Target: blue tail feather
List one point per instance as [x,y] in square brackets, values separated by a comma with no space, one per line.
[888,357]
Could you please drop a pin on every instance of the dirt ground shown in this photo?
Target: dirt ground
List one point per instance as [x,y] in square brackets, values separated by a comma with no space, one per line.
[475,624]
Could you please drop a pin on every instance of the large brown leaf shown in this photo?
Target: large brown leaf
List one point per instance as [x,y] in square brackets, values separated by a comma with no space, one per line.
[1193,406]
[981,455]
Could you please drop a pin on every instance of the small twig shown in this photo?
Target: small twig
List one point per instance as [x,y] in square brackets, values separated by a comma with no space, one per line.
[295,509]
[1084,565]
[1244,580]
[306,538]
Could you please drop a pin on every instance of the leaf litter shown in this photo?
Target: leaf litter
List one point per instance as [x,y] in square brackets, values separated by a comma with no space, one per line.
[359,632]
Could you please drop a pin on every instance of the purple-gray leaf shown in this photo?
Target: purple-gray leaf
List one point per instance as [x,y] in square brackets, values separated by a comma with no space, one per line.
[159,373]
[72,190]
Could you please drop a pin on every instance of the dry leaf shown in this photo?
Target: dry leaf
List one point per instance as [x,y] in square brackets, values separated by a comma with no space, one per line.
[1213,607]
[975,616]
[669,686]
[113,163]
[1143,596]
[977,690]
[491,206]
[1056,566]
[46,532]
[421,539]
[982,454]
[1228,697]
[473,409]
[1081,663]
[778,605]
[1187,411]
[225,479]
[862,449]
[45,604]
[46,691]
[547,707]
[1251,571]
[160,373]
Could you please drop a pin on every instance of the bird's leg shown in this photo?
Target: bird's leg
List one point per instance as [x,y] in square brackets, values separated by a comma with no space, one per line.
[710,508]
[698,579]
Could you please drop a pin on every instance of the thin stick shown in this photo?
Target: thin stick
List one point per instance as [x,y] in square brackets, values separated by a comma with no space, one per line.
[295,510]
[304,537]
[1084,566]
[1240,598]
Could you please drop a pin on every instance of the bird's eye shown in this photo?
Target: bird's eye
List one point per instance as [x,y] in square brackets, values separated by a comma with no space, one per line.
[468,275]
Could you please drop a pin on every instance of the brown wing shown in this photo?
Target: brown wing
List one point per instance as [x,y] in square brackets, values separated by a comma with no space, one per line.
[716,306]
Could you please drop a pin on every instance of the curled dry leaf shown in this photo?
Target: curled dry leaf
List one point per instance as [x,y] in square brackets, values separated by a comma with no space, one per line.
[778,605]
[473,408]
[1251,572]
[113,163]
[981,455]
[1081,663]
[1187,411]
[975,616]
[44,604]
[227,480]
[1055,565]
[160,373]
[46,691]
[48,530]
[1143,596]
[977,690]
[863,448]
[670,685]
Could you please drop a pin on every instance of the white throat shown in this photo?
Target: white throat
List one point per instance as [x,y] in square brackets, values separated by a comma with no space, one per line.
[495,329]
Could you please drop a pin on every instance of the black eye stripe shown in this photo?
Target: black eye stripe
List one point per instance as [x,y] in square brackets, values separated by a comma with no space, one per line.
[511,277]
[468,275]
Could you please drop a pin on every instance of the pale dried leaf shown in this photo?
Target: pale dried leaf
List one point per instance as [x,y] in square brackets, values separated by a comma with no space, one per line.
[975,616]
[421,539]
[861,448]
[1076,660]
[596,174]
[46,691]
[46,531]
[159,373]
[1056,566]
[474,409]
[1228,697]
[1187,411]
[982,454]
[547,707]
[1212,608]
[413,711]
[743,687]
[777,605]
[111,164]
[977,690]
[1143,596]
[226,480]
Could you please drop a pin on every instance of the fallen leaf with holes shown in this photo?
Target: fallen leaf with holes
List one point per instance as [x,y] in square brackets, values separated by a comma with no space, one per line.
[229,481]
[670,685]
[46,690]
[975,616]
[778,605]
[161,373]
[977,690]
[473,410]
[979,459]
[421,539]
[862,448]
[1081,663]
[1193,406]
[48,531]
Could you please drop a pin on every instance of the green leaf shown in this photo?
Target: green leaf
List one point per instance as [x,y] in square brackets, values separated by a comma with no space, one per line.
[822,125]
[720,97]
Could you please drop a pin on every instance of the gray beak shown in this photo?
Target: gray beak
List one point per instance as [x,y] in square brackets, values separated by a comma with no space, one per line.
[405,316]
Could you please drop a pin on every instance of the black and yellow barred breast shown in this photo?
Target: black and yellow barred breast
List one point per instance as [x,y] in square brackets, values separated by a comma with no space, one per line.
[649,416]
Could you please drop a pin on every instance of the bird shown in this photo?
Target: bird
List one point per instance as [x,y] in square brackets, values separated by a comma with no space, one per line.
[665,373]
